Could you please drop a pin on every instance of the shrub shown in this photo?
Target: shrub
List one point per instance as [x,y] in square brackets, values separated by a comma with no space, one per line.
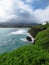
[27,55]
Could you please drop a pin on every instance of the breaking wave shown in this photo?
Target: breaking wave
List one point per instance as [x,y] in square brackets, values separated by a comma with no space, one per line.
[21,31]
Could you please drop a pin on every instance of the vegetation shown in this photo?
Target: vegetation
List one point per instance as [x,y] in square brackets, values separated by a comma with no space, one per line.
[27,55]
[35,29]
[42,39]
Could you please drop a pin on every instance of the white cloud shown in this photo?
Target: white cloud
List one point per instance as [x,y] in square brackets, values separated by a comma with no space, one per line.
[16,7]
[5,7]
[42,15]
[6,10]
[38,16]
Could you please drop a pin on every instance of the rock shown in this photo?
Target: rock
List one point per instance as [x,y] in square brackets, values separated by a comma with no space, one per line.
[28,38]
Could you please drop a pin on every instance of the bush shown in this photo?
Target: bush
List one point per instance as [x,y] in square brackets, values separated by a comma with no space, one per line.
[42,39]
[27,55]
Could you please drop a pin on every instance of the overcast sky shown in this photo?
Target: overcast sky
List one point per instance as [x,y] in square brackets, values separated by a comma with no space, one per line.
[30,11]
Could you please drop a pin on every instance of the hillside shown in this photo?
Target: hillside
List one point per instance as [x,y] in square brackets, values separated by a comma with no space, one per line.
[27,55]
[42,39]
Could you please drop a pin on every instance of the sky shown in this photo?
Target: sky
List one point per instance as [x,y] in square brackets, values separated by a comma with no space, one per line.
[24,11]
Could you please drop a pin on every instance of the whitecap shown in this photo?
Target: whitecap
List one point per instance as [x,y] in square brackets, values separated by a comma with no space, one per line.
[23,39]
[21,31]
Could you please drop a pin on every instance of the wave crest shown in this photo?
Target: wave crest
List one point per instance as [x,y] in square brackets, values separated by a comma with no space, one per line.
[21,31]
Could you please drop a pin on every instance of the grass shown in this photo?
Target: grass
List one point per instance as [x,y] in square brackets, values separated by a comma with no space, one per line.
[27,55]
[42,39]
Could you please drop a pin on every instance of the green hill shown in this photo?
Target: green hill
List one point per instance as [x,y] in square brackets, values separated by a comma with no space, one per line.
[42,39]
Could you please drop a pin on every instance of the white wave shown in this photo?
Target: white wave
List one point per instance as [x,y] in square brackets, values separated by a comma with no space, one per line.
[25,40]
[21,31]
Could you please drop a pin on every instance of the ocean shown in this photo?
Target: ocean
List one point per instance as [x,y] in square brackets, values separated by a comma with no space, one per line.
[12,38]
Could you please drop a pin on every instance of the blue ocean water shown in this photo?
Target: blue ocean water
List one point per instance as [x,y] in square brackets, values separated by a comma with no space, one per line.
[11,38]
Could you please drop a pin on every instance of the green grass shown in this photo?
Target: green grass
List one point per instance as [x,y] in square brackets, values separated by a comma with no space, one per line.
[42,39]
[26,55]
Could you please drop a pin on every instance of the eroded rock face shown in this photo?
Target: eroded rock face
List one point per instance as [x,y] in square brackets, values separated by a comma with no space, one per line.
[28,38]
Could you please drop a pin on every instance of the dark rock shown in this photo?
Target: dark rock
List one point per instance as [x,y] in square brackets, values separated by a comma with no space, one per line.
[28,38]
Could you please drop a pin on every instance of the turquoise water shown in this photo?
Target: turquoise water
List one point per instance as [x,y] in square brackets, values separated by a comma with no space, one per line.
[10,38]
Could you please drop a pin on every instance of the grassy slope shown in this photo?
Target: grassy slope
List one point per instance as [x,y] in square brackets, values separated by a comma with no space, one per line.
[27,55]
[42,39]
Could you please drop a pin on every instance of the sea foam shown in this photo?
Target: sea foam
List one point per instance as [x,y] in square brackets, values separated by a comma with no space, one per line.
[21,31]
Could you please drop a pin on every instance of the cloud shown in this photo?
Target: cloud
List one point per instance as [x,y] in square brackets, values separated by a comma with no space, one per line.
[5,9]
[38,3]
[42,15]
[21,11]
